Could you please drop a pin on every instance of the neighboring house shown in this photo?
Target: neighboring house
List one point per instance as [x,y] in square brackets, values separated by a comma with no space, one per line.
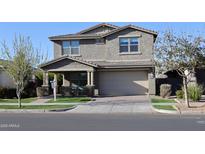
[113,60]
[5,80]
[176,81]
[169,77]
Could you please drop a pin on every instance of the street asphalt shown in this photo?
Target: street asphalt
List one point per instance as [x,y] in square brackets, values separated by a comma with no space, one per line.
[99,122]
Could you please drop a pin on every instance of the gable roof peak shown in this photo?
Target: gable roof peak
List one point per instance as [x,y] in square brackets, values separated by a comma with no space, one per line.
[97,26]
[131,26]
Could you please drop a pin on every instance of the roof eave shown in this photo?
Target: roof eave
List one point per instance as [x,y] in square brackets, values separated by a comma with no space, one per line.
[67,57]
[128,66]
[131,26]
[73,38]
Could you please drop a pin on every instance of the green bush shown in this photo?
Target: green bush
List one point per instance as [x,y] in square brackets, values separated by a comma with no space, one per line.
[2,92]
[7,92]
[180,94]
[195,92]
[165,90]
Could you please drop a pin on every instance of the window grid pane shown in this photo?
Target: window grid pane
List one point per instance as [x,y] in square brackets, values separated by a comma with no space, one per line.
[123,49]
[66,51]
[74,43]
[75,51]
[124,41]
[133,41]
[66,44]
[134,48]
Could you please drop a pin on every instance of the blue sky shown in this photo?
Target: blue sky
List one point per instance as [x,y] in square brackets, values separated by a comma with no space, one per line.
[39,32]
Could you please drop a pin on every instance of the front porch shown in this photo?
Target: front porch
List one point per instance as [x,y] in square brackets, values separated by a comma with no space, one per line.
[77,76]
[74,83]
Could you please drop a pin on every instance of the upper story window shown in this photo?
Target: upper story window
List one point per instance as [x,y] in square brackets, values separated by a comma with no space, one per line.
[71,47]
[129,44]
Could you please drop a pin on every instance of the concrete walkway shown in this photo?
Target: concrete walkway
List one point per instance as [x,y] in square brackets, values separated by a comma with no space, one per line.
[122,104]
[30,104]
[42,100]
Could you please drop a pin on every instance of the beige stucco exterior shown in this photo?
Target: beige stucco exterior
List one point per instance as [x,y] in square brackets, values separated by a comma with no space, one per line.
[89,50]
[145,46]
[117,79]
[67,65]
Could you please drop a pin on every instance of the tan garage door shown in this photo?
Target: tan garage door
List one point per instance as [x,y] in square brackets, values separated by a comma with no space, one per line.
[123,83]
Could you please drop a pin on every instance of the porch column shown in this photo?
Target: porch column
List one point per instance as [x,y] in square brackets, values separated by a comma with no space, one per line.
[88,78]
[45,86]
[45,78]
[91,78]
[63,79]
[55,79]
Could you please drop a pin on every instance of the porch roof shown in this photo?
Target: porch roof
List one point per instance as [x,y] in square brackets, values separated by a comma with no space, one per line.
[125,64]
[88,63]
[101,64]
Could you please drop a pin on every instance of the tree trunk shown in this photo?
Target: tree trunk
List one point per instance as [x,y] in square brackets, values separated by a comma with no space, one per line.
[18,93]
[185,91]
[19,101]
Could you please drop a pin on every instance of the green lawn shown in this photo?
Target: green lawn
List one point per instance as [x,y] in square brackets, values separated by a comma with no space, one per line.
[163,101]
[70,100]
[24,100]
[48,107]
[164,107]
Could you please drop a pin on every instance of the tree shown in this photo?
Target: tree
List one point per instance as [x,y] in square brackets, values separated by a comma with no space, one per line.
[20,61]
[183,53]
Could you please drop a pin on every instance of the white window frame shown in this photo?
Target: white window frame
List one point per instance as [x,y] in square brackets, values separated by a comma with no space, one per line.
[70,48]
[129,44]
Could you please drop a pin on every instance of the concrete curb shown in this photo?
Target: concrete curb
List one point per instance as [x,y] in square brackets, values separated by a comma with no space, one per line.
[35,110]
[164,111]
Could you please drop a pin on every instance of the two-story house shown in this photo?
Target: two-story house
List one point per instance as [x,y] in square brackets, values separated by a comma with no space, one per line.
[113,60]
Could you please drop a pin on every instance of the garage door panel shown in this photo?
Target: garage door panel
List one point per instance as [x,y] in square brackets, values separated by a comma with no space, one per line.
[123,83]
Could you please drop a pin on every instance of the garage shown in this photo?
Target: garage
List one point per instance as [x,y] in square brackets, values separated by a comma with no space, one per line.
[118,83]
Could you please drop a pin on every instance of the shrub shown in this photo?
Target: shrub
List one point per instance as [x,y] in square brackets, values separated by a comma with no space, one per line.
[180,94]
[29,90]
[165,90]
[2,92]
[195,92]
[7,92]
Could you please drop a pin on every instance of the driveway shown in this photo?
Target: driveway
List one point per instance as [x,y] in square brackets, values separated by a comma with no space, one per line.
[121,104]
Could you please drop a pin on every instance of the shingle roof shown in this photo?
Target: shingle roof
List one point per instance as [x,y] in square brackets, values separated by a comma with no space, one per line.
[74,36]
[104,64]
[122,64]
[130,26]
[97,26]
[71,58]
[80,35]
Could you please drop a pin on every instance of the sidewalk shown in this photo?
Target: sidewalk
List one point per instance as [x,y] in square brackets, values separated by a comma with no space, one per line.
[30,104]
[42,101]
